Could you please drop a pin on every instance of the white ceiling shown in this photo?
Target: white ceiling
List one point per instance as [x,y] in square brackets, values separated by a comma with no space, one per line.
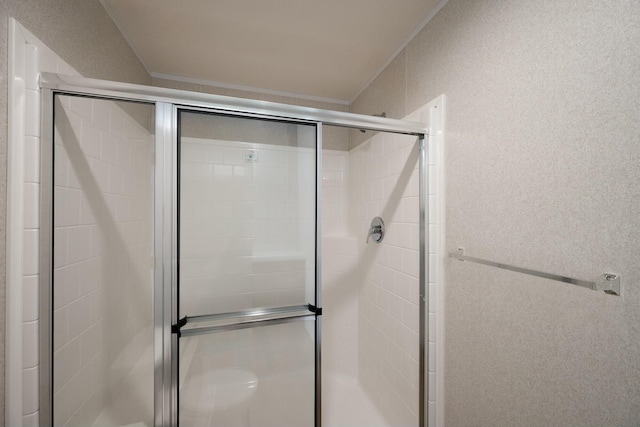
[318,48]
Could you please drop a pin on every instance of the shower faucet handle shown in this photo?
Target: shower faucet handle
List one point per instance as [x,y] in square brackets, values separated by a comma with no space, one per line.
[376,229]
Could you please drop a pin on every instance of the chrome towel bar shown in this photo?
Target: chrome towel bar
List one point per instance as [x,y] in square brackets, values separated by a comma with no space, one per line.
[607,282]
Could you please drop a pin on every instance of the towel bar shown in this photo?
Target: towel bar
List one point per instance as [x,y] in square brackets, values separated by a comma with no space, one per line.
[607,282]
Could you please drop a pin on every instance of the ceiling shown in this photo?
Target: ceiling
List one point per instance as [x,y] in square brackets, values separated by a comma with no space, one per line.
[318,48]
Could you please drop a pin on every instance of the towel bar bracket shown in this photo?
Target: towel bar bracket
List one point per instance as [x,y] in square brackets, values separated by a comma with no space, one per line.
[609,283]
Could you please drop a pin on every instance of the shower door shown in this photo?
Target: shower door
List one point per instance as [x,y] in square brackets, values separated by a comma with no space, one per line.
[247,272]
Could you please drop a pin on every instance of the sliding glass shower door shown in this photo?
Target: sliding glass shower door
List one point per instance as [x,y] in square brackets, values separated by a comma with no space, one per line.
[247,281]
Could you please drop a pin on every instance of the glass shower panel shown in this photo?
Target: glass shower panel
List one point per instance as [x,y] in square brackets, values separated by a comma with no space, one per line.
[102,251]
[247,276]
[257,377]
[247,214]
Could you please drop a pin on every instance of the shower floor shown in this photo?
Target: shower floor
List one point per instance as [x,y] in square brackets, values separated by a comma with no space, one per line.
[135,402]
[345,404]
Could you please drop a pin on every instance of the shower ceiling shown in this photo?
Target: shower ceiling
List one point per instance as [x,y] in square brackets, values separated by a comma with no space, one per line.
[322,48]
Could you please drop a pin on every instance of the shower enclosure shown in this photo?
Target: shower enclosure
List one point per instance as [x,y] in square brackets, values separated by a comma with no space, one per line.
[182,262]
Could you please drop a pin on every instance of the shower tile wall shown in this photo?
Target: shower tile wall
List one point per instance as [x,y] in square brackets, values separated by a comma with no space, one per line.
[102,264]
[384,182]
[339,268]
[335,201]
[246,227]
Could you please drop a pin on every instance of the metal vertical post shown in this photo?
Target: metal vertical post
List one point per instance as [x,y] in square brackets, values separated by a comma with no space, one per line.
[423,280]
[45,288]
[318,258]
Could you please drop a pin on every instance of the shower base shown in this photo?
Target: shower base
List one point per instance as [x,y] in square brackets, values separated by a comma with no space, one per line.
[345,404]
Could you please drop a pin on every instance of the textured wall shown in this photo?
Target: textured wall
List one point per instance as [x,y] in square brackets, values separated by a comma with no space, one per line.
[542,166]
[74,29]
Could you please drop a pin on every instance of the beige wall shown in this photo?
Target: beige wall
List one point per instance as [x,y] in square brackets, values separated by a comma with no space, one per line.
[83,35]
[542,170]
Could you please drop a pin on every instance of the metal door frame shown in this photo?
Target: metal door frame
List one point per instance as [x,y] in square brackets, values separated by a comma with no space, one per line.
[273,316]
[167,102]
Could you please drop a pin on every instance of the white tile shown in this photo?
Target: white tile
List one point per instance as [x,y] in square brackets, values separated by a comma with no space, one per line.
[101,113]
[79,388]
[116,182]
[31,251]
[411,209]
[66,207]
[123,154]
[433,268]
[81,106]
[411,314]
[78,316]
[395,163]
[433,179]
[61,167]
[91,140]
[432,151]
[108,147]
[60,328]
[233,156]
[432,327]
[191,152]
[87,215]
[396,258]
[97,241]
[222,172]
[433,238]
[30,393]
[62,412]
[32,113]
[30,298]
[60,247]
[414,184]
[432,297]
[77,163]
[432,412]
[91,275]
[197,172]
[432,357]
[433,204]
[31,420]
[432,383]
[79,243]
[410,262]
[31,214]
[65,285]
[30,340]
[403,238]
[71,130]
[209,154]
[31,68]
[91,342]
[100,172]
[32,159]
[116,121]
[414,237]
